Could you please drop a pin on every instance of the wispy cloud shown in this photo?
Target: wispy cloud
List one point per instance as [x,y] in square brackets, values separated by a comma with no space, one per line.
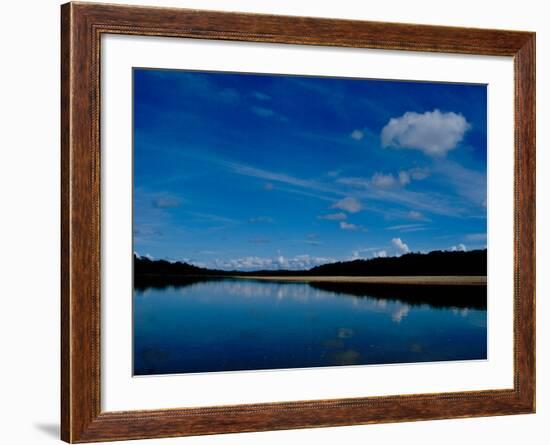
[268,113]
[166,201]
[430,202]
[333,216]
[468,183]
[261,96]
[407,227]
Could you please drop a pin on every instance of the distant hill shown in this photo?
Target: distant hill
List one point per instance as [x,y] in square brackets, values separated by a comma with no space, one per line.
[438,263]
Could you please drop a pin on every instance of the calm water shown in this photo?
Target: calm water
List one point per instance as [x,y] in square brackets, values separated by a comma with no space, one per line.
[234,324]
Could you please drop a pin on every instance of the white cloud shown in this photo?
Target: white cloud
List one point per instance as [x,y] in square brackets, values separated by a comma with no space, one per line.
[407,227]
[348,226]
[382,181]
[348,204]
[357,135]
[458,248]
[433,132]
[298,262]
[404,178]
[380,254]
[359,253]
[415,215]
[351,227]
[400,245]
[334,216]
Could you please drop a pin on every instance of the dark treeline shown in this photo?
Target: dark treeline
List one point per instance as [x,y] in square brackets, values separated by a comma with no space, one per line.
[439,263]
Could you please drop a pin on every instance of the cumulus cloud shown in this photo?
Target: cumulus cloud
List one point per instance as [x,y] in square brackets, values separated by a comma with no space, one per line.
[458,248]
[348,204]
[380,254]
[334,216]
[400,245]
[381,180]
[357,135]
[434,132]
[298,262]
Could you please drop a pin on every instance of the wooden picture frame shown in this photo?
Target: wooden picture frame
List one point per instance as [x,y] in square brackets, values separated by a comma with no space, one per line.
[82,25]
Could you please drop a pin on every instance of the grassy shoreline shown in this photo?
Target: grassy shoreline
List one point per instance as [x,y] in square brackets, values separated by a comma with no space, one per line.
[408,280]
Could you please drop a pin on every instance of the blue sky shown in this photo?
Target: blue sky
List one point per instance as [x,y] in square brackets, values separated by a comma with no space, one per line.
[252,171]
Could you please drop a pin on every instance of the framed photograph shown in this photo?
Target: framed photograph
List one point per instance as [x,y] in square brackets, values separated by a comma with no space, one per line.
[275,222]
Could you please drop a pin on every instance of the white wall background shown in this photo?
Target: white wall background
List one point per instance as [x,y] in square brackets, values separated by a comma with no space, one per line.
[29,227]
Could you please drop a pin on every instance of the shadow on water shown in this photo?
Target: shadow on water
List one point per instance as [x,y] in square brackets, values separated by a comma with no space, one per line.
[436,296]
[144,282]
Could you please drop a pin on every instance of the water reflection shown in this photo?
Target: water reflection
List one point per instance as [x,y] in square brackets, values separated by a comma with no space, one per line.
[203,325]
